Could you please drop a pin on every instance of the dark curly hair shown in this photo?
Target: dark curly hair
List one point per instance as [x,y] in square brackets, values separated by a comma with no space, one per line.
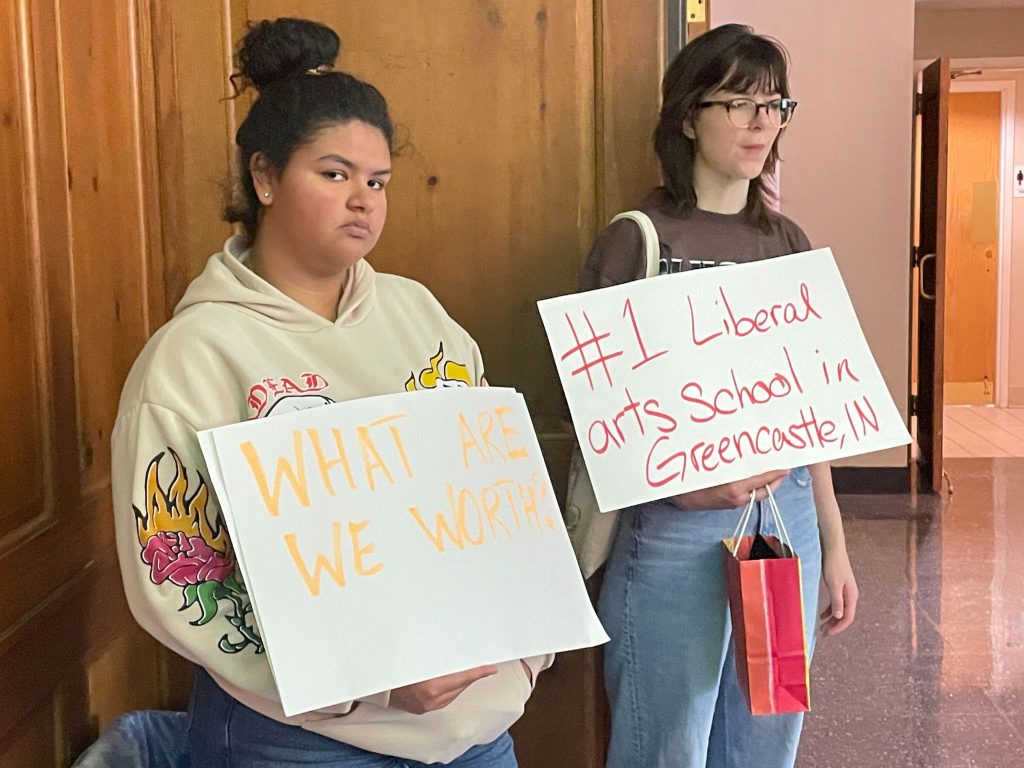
[289,61]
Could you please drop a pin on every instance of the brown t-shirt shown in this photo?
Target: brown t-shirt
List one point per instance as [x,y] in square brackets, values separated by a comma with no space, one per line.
[694,241]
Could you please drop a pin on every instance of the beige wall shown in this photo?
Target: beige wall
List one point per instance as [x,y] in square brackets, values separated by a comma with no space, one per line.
[1016,260]
[846,172]
[967,34]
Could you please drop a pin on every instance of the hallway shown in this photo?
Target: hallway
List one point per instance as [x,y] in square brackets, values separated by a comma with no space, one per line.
[982,431]
[932,673]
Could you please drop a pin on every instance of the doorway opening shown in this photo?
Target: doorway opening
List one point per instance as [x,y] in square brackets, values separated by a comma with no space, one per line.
[978,235]
[962,376]
[978,263]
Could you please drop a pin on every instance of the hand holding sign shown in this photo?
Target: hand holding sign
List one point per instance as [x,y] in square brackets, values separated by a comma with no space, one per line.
[438,693]
[731,495]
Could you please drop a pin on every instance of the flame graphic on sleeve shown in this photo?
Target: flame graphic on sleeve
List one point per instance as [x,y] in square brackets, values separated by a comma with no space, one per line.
[450,374]
[183,549]
[175,511]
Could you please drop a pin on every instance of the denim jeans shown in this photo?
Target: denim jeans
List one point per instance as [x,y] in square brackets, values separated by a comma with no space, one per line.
[224,733]
[669,668]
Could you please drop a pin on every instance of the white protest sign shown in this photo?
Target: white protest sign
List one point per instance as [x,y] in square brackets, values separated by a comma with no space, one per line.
[686,381]
[394,539]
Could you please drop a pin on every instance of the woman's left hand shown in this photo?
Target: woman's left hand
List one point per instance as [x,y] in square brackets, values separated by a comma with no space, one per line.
[837,574]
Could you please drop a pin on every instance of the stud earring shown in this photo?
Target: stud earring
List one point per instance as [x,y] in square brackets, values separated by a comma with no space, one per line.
[266,194]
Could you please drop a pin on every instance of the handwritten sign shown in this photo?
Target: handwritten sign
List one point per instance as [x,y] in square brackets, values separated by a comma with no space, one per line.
[394,539]
[691,380]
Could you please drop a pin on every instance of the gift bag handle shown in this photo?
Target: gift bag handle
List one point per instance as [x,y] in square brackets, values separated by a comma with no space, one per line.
[744,519]
[773,507]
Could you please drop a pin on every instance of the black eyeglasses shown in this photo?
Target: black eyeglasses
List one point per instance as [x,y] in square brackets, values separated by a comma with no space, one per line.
[742,112]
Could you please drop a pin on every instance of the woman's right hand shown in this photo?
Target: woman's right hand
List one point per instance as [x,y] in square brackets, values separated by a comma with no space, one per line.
[438,692]
[731,495]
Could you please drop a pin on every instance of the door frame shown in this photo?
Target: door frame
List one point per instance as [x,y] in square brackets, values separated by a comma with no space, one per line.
[1007,91]
[927,329]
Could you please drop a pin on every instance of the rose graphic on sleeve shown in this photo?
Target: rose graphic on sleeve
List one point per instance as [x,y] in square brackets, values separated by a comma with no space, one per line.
[183,546]
[183,560]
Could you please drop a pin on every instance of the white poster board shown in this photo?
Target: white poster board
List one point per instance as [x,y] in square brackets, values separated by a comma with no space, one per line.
[696,379]
[394,539]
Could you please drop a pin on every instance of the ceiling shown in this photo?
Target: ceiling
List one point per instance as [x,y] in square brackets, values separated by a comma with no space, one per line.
[963,5]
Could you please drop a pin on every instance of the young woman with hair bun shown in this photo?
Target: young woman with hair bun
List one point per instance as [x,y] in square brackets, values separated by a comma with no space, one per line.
[289,316]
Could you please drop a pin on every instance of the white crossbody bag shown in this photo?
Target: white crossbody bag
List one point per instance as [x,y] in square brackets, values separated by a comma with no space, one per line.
[590,530]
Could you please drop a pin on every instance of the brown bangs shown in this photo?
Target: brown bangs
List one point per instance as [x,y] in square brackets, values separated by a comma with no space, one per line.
[758,67]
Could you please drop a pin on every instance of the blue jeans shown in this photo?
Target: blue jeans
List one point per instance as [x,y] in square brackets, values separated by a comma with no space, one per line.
[224,733]
[669,668]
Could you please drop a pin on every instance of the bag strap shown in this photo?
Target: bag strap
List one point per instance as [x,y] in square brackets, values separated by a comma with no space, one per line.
[773,507]
[652,249]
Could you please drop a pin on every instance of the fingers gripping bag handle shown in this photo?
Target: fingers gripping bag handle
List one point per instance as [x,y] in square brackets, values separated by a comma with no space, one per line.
[773,508]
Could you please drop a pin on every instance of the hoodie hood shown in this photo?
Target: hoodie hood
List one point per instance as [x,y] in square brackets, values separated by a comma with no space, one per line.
[227,279]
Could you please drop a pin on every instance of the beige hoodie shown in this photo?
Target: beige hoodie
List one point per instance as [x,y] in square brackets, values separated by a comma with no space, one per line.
[237,349]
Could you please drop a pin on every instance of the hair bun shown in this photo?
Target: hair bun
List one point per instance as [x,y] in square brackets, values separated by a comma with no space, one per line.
[285,48]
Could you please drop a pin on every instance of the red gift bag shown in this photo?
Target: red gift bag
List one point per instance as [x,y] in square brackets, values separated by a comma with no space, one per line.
[766,602]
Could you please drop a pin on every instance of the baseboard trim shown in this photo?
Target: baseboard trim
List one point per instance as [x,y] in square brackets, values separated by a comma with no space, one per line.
[1015,396]
[871,480]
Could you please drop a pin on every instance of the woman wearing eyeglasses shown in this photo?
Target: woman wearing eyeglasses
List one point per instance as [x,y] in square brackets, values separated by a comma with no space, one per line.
[669,669]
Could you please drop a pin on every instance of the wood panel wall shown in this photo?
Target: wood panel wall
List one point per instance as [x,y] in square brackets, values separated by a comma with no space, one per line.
[527,124]
[80,291]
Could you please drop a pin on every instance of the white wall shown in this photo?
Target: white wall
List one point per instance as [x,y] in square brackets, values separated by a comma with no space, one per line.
[846,173]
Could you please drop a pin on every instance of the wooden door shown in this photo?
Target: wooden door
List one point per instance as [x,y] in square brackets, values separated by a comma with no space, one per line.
[930,279]
[80,290]
[972,247]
